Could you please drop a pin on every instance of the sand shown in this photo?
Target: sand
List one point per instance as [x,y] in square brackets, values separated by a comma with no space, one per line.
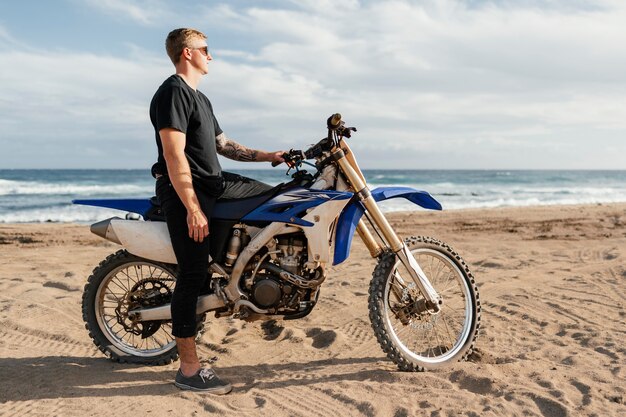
[552,339]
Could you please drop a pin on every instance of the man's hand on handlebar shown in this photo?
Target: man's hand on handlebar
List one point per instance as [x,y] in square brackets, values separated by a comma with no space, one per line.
[276,158]
[290,158]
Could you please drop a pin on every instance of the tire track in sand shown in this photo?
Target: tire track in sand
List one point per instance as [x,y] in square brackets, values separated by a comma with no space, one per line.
[41,342]
[42,407]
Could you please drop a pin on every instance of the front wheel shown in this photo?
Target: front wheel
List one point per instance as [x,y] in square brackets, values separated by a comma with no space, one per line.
[414,338]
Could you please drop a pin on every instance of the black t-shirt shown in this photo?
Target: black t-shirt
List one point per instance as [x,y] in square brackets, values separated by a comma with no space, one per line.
[176,105]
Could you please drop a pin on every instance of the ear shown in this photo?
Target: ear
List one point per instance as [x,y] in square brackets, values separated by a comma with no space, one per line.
[186,54]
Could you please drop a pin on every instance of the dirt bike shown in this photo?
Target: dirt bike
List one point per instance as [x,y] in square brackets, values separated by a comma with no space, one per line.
[268,261]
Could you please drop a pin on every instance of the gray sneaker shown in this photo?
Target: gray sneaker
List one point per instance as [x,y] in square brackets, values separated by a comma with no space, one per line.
[204,380]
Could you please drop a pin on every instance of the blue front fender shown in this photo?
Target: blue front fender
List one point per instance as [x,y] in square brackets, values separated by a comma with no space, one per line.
[352,214]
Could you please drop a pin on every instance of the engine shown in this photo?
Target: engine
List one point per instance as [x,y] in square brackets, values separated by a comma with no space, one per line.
[292,255]
[276,287]
[278,280]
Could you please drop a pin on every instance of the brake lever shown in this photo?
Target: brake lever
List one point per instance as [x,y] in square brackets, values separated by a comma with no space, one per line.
[346,131]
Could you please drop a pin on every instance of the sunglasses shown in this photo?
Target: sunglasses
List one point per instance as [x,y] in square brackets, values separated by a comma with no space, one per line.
[204,50]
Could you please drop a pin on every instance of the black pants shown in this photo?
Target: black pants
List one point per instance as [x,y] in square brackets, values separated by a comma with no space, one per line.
[193,257]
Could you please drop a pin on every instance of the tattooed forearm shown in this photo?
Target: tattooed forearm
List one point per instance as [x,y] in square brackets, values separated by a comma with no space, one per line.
[233,150]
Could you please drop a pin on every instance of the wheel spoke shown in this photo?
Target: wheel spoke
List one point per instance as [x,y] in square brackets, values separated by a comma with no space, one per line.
[129,279]
[453,284]
[124,290]
[445,323]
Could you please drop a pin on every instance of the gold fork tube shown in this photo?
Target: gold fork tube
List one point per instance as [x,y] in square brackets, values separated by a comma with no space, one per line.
[391,239]
[368,239]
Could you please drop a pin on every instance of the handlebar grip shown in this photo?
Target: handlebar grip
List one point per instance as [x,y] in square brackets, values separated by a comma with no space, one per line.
[276,163]
[334,120]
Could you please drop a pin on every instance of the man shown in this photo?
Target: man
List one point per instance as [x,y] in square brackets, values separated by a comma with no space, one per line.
[189,180]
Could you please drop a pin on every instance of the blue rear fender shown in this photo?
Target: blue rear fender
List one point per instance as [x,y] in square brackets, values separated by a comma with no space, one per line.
[133,205]
[352,213]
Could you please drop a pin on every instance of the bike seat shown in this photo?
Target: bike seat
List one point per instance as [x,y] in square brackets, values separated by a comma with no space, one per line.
[235,209]
[224,209]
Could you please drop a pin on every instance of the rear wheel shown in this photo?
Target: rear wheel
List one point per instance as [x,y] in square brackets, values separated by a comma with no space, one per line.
[412,337]
[121,283]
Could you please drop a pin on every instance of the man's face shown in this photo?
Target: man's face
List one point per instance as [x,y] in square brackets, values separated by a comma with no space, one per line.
[200,55]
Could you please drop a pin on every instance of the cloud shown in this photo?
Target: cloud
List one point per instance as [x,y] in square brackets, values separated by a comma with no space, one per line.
[8,42]
[453,84]
[450,70]
[71,109]
[89,88]
[144,12]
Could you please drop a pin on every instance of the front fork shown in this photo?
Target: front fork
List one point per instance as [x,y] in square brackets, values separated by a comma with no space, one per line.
[433,300]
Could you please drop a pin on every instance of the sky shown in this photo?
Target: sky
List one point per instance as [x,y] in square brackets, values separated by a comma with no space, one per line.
[432,84]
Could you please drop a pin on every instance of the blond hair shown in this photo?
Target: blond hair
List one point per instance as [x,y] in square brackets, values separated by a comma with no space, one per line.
[179,39]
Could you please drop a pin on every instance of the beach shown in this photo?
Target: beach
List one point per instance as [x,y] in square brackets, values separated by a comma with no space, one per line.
[551,341]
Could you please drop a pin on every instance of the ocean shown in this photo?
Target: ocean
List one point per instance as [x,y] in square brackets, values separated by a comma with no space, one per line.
[46,195]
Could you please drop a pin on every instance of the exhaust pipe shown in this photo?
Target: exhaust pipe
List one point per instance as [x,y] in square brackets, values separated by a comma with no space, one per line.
[205,303]
[104,230]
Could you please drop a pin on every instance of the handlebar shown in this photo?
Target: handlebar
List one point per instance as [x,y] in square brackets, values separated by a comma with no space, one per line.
[335,128]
